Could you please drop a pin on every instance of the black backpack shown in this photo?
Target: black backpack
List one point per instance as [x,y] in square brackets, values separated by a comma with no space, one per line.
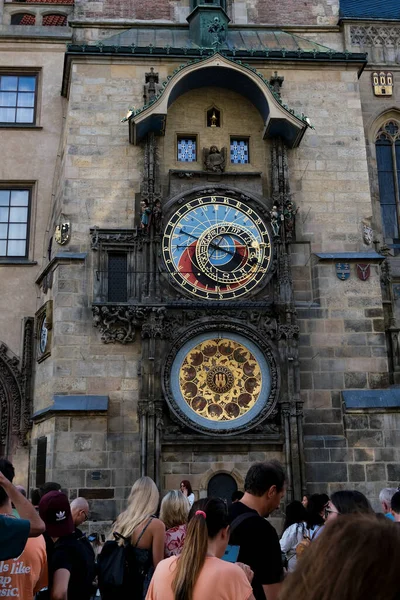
[112,565]
[124,570]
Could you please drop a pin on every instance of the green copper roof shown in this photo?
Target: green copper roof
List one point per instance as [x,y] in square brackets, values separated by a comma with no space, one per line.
[237,39]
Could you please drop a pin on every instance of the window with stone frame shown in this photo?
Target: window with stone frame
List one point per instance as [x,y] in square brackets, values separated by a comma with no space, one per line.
[240,151]
[116,265]
[18,98]
[14,222]
[187,148]
[387,146]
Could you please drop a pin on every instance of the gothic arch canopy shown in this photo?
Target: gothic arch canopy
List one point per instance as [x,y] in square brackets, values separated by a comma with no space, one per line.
[14,394]
[220,71]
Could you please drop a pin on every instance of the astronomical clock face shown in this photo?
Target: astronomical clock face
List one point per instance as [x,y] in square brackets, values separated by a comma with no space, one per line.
[220,383]
[216,248]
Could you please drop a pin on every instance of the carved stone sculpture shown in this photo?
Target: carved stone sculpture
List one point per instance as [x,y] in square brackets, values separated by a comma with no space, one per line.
[214,160]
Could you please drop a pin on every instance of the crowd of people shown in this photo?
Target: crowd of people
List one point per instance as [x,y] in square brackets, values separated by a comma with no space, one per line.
[331,548]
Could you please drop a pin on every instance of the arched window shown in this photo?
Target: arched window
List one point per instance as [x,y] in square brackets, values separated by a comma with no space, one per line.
[22,19]
[388,161]
[55,20]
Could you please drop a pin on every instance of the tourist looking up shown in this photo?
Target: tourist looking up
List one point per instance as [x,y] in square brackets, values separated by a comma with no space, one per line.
[15,532]
[347,502]
[174,514]
[385,498]
[26,572]
[71,569]
[187,491]
[294,530]
[264,489]
[199,573]
[145,534]
[357,557]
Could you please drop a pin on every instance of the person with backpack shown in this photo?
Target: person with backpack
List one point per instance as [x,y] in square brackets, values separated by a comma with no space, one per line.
[199,573]
[257,539]
[126,564]
[312,524]
[72,569]
[292,534]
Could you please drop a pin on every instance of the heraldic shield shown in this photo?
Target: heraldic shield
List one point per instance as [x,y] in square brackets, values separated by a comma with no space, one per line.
[342,271]
[363,271]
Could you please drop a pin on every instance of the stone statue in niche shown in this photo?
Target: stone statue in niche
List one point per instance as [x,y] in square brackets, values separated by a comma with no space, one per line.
[289,215]
[157,217]
[145,212]
[214,160]
[276,220]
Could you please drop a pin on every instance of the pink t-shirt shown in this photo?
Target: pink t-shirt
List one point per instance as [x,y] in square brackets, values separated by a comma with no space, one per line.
[218,580]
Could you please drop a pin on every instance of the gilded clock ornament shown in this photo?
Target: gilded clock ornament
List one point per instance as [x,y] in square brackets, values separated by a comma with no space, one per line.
[217,248]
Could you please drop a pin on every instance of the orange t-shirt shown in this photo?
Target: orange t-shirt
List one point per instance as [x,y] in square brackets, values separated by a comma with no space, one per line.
[22,577]
[218,580]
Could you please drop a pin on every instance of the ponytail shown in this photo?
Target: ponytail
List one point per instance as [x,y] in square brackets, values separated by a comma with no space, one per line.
[203,524]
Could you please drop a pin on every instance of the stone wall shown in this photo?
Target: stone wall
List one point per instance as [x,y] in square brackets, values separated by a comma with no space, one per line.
[286,12]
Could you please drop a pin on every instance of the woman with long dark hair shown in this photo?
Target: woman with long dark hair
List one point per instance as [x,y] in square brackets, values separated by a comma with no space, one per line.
[186,489]
[347,502]
[293,531]
[199,573]
[356,557]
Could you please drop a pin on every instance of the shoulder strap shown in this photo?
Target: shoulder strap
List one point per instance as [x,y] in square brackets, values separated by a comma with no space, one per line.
[142,532]
[239,520]
[316,531]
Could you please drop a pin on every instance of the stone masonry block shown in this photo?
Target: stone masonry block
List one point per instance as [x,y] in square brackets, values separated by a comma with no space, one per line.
[376,472]
[363,454]
[365,438]
[355,380]
[341,455]
[326,472]
[393,472]
[356,472]
[319,455]
[322,415]
[356,421]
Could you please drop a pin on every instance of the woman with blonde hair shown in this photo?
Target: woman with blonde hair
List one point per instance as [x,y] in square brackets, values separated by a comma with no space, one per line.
[174,514]
[199,573]
[143,536]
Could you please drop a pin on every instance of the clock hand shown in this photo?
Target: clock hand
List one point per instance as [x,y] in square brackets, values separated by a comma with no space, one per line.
[210,244]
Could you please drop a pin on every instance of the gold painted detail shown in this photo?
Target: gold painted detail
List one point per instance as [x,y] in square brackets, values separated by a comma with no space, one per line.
[220,379]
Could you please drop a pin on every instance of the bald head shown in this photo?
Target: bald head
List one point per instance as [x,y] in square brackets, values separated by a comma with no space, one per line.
[80,511]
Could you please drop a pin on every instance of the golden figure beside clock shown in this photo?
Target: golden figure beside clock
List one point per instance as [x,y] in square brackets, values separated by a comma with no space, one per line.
[217,248]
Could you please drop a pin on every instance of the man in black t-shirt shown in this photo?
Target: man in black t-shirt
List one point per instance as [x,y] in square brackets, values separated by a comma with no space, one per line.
[258,540]
[72,567]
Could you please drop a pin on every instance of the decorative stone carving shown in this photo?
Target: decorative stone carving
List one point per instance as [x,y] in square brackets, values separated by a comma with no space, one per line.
[276,81]
[368,235]
[214,160]
[218,31]
[151,88]
[118,323]
[15,392]
[375,35]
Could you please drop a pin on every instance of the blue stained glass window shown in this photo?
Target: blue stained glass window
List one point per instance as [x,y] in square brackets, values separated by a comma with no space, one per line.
[387,156]
[187,149]
[240,152]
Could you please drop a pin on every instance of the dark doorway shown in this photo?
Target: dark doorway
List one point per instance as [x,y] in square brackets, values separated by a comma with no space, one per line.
[222,485]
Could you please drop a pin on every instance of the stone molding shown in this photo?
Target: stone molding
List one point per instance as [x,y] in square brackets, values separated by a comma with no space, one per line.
[375,35]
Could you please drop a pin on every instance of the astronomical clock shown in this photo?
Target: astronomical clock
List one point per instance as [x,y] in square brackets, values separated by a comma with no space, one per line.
[217,248]
[217,253]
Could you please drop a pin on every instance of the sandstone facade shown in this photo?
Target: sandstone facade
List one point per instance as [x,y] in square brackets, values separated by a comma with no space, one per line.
[88,396]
